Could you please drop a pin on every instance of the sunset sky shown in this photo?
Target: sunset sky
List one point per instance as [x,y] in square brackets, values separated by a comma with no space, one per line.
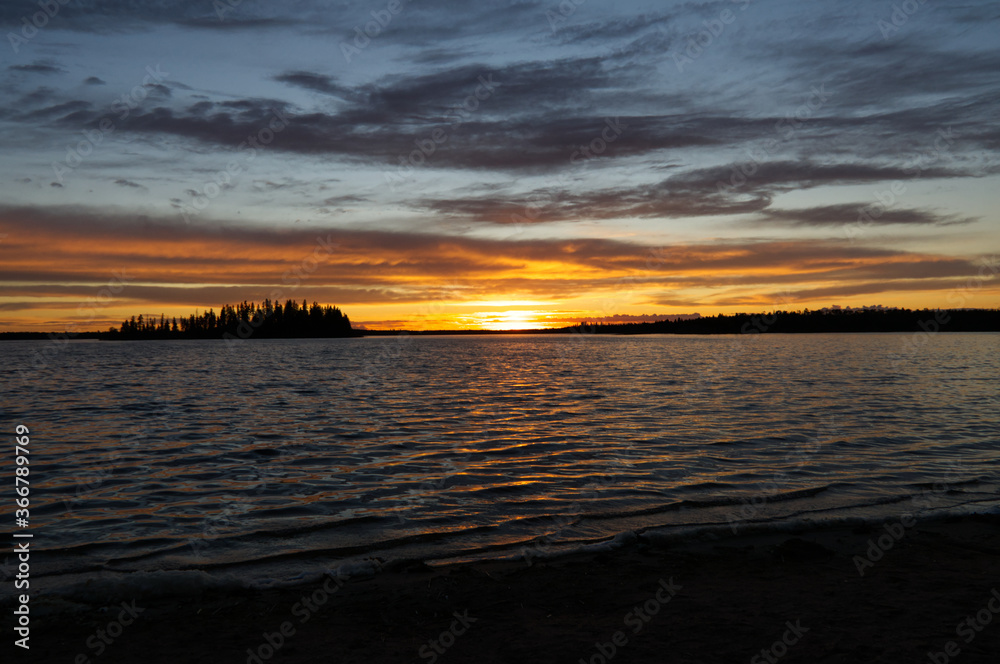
[496,164]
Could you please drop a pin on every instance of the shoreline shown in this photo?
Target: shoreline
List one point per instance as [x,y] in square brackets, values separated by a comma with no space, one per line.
[93,336]
[711,599]
[823,321]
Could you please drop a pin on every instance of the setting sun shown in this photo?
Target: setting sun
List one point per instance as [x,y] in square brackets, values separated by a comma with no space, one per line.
[505,320]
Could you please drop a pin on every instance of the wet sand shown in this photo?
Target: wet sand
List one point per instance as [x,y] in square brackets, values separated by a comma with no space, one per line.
[789,597]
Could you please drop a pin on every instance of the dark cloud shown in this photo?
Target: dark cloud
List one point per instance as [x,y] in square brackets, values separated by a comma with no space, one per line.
[381,121]
[37,96]
[62,110]
[158,89]
[655,200]
[721,190]
[231,23]
[316,83]
[608,30]
[93,80]
[38,68]
[849,213]
[544,111]
[345,199]
[531,121]
[425,24]
[106,16]
[752,176]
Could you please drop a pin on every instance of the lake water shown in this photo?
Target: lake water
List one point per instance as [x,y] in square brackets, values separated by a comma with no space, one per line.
[263,461]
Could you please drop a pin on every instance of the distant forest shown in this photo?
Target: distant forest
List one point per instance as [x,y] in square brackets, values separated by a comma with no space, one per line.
[266,320]
[827,320]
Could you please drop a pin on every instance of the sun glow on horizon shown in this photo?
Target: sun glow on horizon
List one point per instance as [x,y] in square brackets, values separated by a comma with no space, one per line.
[505,320]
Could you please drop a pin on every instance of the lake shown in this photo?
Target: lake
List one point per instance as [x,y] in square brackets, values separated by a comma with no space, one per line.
[262,461]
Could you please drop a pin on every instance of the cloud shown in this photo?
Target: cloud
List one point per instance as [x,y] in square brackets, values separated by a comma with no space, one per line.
[848,213]
[611,28]
[230,23]
[381,121]
[545,110]
[80,244]
[787,175]
[721,190]
[64,109]
[316,83]
[93,80]
[158,89]
[108,16]
[38,68]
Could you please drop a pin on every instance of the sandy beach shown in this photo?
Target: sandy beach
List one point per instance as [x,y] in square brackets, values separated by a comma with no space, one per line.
[929,587]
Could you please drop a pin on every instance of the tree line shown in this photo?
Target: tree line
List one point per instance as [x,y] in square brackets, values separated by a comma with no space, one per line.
[837,320]
[264,320]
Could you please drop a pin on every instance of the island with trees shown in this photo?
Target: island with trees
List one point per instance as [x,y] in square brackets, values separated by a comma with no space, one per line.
[264,320]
